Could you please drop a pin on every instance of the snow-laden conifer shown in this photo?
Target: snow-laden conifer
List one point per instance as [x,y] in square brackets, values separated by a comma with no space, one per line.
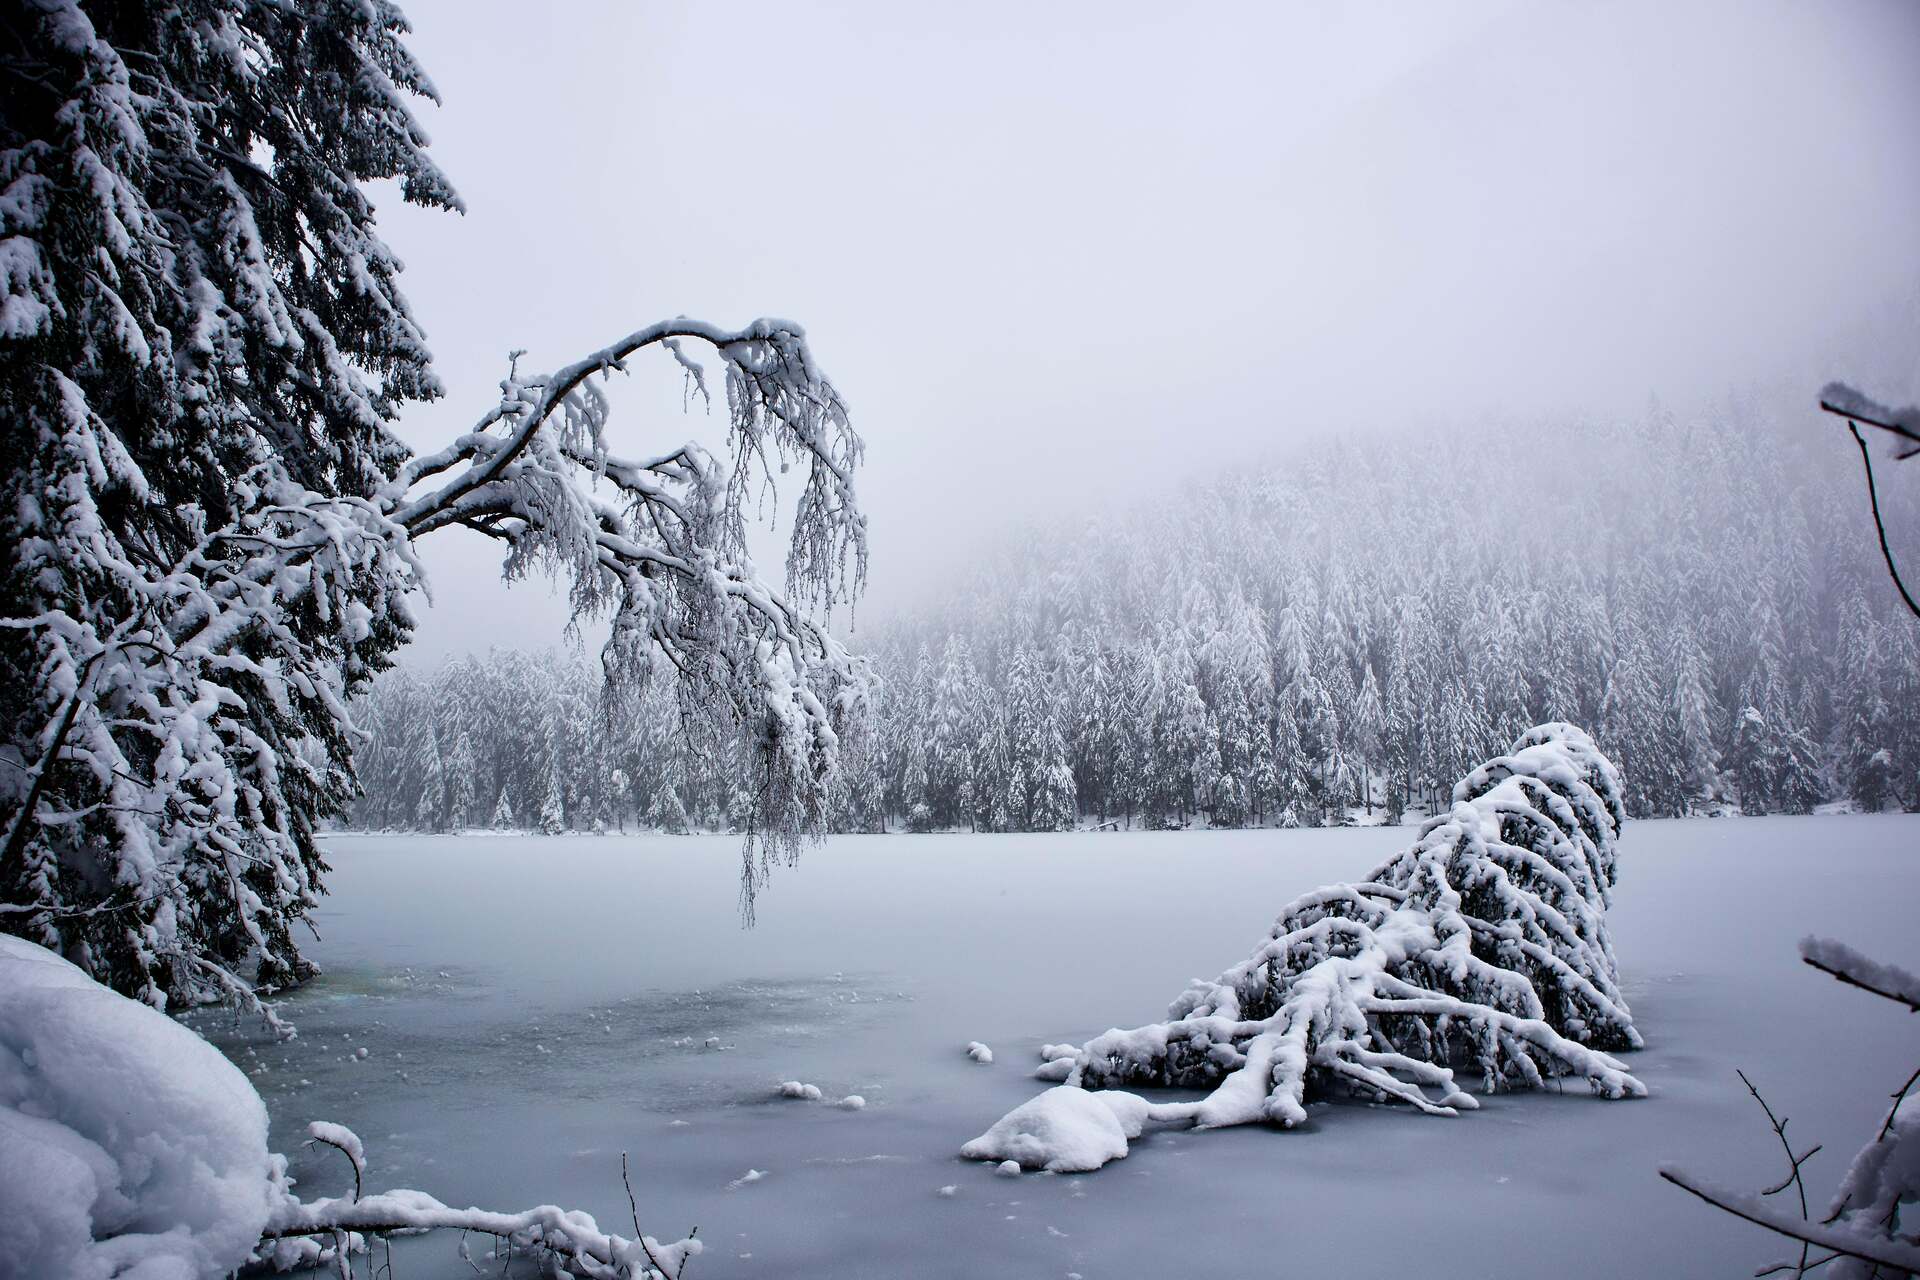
[208,530]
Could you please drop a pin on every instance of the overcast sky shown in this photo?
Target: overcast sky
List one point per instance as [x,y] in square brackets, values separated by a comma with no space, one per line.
[1056,252]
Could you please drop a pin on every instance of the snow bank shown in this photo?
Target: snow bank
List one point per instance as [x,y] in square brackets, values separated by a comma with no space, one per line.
[132,1148]
[1065,1130]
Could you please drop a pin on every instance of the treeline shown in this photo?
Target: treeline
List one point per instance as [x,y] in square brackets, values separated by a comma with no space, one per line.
[1346,634]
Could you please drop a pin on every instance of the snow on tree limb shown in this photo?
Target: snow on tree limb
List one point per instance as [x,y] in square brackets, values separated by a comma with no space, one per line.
[209,529]
[578,1245]
[1484,945]
[1849,966]
[666,554]
[1844,401]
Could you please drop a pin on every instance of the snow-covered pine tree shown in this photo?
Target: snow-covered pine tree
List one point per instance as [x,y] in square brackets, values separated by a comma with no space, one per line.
[1752,762]
[1369,728]
[1689,720]
[460,766]
[1055,791]
[207,529]
[1132,730]
[1088,719]
[1632,715]
[553,813]
[956,704]
[1483,947]
[1862,723]
[1026,740]
[430,798]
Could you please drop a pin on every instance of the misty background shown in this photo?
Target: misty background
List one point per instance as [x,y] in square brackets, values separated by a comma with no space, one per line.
[1062,256]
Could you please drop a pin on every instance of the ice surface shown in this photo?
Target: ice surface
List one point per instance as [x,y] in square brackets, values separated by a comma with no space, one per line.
[428,956]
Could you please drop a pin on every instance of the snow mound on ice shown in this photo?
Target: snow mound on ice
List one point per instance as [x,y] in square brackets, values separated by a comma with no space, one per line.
[1066,1130]
[979,1053]
[804,1092]
[133,1149]
[1057,1061]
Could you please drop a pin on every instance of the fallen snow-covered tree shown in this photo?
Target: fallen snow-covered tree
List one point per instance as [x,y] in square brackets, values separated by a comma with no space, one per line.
[130,1147]
[1483,947]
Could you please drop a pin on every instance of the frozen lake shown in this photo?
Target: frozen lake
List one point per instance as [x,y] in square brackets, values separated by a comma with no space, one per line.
[532,1007]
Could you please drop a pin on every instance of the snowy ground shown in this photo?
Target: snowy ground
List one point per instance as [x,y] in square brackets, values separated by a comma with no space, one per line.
[531,1007]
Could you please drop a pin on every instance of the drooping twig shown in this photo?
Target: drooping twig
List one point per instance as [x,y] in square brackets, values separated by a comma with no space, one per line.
[1794,1162]
[324,1135]
[638,1234]
[1880,525]
[1856,410]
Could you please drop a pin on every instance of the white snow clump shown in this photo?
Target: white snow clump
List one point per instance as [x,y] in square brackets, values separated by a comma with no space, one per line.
[129,1147]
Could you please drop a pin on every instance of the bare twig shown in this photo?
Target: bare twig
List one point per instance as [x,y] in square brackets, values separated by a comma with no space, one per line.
[1880,526]
[1794,1162]
[1899,1096]
[1854,416]
[638,1234]
[632,1206]
[1778,1267]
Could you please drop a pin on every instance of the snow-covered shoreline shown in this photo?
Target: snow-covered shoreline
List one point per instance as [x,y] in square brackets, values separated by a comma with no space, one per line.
[1410,820]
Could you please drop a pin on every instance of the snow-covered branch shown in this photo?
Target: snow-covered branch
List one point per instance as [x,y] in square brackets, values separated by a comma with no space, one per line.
[1846,402]
[209,528]
[306,1232]
[1886,980]
[664,551]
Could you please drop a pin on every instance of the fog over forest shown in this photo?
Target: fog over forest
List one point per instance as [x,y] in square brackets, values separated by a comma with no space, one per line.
[1062,257]
[1333,638]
